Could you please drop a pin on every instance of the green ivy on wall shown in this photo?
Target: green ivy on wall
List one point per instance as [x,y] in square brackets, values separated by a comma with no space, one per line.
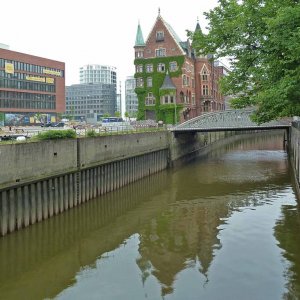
[167,92]
[2,116]
[163,114]
[167,112]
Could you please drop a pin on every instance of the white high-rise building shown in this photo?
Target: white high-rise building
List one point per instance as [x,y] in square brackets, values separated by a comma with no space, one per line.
[131,99]
[98,74]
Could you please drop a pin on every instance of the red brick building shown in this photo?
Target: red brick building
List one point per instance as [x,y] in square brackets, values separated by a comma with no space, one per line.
[30,86]
[173,84]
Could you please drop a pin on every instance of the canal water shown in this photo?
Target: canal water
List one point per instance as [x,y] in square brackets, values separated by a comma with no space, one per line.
[224,226]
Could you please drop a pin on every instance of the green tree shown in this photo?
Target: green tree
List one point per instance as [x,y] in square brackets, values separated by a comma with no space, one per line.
[38,117]
[117,114]
[59,116]
[2,116]
[106,115]
[261,39]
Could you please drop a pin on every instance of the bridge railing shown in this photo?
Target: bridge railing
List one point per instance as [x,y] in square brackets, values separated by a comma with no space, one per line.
[227,119]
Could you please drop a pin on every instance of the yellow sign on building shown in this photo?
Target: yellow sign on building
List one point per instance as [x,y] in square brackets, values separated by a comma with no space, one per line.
[52,72]
[9,68]
[49,80]
[35,78]
[40,79]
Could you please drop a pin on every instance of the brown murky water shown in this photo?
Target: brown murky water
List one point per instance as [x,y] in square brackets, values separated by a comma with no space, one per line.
[222,227]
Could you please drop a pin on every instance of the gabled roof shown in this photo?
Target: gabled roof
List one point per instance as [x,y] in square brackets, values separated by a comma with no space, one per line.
[139,40]
[168,83]
[170,30]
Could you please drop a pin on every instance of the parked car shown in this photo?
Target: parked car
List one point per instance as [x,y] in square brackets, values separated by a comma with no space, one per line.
[59,124]
[46,124]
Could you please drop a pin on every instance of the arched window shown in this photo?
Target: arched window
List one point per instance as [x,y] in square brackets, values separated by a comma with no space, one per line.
[204,73]
[181,95]
[184,80]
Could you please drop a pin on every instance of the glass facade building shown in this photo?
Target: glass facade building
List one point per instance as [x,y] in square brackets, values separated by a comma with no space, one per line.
[131,100]
[30,85]
[98,74]
[86,99]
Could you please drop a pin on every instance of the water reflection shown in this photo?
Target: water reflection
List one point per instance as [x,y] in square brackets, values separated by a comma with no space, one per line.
[48,255]
[182,234]
[287,233]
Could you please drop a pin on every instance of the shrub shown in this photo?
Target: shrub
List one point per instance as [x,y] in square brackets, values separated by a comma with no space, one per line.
[91,133]
[57,134]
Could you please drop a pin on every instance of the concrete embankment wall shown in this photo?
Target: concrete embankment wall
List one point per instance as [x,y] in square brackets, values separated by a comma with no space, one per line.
[185,146]
[294,152]
[41,179]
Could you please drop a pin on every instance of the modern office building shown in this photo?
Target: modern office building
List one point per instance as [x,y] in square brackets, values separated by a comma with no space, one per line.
[173,84]
[131,99]
[83,101]
[101,74]
[98,74]
[119,100]
[32,89]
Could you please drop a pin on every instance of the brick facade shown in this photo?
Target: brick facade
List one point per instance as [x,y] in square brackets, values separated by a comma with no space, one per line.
[31,75]
[196,79]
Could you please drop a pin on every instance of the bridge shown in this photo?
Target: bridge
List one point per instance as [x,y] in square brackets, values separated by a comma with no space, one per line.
[228,120]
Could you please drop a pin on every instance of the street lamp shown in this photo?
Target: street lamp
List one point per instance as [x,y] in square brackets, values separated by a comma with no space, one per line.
[175,111]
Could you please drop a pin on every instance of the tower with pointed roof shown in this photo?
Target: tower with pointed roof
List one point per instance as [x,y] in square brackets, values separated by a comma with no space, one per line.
[168,82]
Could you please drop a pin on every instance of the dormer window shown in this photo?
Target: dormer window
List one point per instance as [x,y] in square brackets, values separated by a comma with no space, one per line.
[204,73]
[160,36]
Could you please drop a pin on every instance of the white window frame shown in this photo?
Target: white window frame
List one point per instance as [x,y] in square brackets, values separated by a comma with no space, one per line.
[184,80]
[139,68]
[161,67]
[140,82]
[140,54]
[205,90]
[193,99]
[168,99]
[193,83]
[160,36]
[204,73]
[173,66]
[149,68]
[150,99]
[160,52]
[149,82]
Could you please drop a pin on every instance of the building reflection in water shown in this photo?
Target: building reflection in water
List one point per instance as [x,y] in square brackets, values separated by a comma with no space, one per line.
[177,215]
[187,232]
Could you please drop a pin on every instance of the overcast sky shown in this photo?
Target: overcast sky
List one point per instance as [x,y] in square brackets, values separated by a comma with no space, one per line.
[80,32]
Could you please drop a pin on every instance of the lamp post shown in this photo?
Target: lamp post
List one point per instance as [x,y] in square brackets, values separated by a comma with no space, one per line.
[175,112]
